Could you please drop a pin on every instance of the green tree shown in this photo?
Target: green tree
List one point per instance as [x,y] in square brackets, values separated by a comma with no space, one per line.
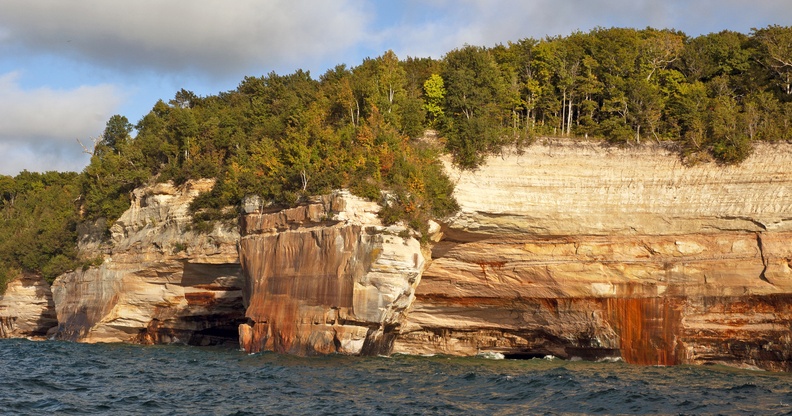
[434,89]
[337,88]
[645,105]
[391,79]
[715,54]
[687,113]
[184,99]
[116,132]
[729,141]
[474,105]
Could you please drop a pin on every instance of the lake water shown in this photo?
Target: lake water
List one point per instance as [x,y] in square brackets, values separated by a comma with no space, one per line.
[68,378]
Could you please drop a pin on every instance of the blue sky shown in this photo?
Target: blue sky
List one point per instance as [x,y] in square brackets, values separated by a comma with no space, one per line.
[67,66]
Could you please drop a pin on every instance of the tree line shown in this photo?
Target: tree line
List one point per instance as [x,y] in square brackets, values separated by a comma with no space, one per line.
[285,137]
[709,96]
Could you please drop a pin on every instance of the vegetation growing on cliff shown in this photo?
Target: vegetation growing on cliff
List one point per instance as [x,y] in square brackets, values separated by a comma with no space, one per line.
[288,136]
[285,136]
[37,224]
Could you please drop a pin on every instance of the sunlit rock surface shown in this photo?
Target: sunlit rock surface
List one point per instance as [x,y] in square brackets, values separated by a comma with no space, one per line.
[26,308]
[579,250]
[160,282]
[326,277]
[568,249]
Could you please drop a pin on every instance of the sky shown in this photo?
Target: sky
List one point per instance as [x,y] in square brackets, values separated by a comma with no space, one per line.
[67,66]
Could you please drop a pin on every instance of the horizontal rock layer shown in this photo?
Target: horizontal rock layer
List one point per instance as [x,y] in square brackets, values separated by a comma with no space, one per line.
[573,249]
[562,187]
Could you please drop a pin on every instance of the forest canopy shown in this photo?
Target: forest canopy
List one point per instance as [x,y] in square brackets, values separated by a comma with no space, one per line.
[285,137]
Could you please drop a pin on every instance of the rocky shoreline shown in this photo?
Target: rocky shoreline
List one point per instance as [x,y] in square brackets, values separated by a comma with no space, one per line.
[565,248]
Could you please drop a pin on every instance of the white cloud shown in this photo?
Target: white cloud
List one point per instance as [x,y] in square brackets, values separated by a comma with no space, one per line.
[215,37]
[488,22]
[19,157]
[39,127]
[242,37]
[156,47]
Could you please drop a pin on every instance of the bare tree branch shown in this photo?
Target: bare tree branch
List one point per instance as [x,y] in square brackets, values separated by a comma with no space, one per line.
[95,141]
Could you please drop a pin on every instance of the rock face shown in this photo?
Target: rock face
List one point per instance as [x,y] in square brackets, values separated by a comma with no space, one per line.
[26,308]
[161,282]
[568,249]
[325,277]
[578,250]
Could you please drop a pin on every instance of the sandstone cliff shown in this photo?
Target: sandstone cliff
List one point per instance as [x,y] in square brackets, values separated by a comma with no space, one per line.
[574,249]
[566,248]
[26,308]
[325,277]
[160,282]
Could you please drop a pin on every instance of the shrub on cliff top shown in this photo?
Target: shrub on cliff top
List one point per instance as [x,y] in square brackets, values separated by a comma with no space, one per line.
[282,138]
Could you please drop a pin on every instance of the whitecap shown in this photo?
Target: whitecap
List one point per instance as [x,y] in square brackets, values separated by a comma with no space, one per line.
[491,355]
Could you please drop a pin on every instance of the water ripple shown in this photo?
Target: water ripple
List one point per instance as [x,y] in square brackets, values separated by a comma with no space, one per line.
[67,378]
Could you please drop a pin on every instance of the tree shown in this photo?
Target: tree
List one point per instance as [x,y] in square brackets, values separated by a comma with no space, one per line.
[729,141]
[474,104]
[715,54]
[184,99]
[776,44]
[687,112]
[435,91]
[473,81]
[659,49]
[562,57]
[337,87]
[8,193]
[390,81]
[645,106]
[116,132]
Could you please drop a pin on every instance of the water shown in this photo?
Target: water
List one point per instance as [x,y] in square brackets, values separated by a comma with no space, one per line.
[67,378]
